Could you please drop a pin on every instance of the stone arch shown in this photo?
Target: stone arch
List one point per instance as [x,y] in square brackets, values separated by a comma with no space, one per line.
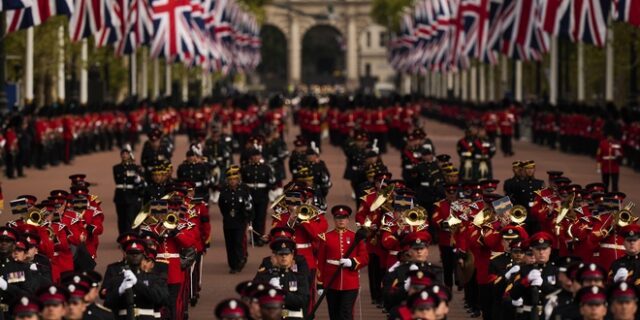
[274,64]
[323,55]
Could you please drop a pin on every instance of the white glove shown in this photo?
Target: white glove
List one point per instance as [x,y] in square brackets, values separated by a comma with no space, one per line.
[511,272]
[320,291]
[250,228]
[517,303]
[407,284]
[347,263]
[275,282]
[413,267]
[535,277]
[621,275]
[33,267]
[129,281]
[3,284]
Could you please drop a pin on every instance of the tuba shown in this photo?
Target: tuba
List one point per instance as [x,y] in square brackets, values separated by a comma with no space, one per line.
[518,214]
[415,216]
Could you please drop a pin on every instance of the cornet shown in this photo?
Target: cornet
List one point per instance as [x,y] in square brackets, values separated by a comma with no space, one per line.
[518,214]
[34,217]
[415,216]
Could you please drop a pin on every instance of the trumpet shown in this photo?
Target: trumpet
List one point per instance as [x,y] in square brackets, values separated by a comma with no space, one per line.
[518,214]
[305,212]
[415,216]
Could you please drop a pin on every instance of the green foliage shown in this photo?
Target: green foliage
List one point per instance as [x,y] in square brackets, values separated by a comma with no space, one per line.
[388,13]
[256,7]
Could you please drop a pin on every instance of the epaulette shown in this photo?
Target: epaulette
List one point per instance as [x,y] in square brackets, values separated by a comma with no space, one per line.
[495,255]
[182,226]
[322,236]
[102,307]
[95,199]
[193,213]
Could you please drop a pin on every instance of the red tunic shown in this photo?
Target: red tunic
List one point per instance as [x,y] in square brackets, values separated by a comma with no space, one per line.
[609,156]
[334,247]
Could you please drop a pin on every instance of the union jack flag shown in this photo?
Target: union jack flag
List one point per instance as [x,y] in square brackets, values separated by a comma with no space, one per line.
[37,13]
[86,19]
[137,26]
[589,21]
[475,21]
[556,17]
[113,28]
[627,11]
[172,39]
[199,33]
[522,37]
[14,4]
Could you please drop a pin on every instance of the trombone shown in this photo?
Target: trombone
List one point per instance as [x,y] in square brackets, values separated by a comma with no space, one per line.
[621,218]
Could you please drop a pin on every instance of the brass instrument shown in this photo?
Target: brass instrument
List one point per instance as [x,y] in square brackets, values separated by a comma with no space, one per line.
[621,218]
[34,217]
[170,221]
[567,207]
[304,212]
[518,214]
[383,197]
[625,217]
[483,217]
[452,222]
[145,214]
[415,216]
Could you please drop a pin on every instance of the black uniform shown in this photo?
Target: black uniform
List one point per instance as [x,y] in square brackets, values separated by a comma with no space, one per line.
[299,264]
[150,157]
[410,157]
[275,154]
[631,263]
[147,296]
[219,155]
[296,160]
[466,149]
[129,182]
[528,293]
[237,211]
[563,305]
[524,195]
[295,286]
[198,174]
[96,311]
[393,292]
[260,179]
[428,179]
[321,177]
[354,170]
[155,191]
[498,266]
[19,283]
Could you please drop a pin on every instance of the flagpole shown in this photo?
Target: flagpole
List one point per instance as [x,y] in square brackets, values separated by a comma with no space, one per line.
[185,85]
[553,77]
[518,74]
[492,83]
[144,94]
[504,77]
[84,74]
[167,79]
[473,81]
[449,85]
[133,74]
[609,71]
[580,71]
[156,78]
[28,81]
[464,83]
[482,83]
[61,75]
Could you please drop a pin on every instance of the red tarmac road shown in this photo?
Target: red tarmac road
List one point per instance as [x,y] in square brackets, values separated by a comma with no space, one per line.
[217,282]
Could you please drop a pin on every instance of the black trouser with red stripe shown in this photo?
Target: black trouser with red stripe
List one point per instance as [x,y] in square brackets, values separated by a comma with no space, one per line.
[340,303]
[236,244]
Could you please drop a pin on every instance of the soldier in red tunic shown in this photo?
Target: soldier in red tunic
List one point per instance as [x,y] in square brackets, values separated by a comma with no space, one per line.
[343,292]
[608,157]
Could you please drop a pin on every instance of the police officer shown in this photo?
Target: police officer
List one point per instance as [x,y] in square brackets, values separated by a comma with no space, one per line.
[135,289]
[129,181]
[294,285]
[196,171]
[236,207]
[259,177]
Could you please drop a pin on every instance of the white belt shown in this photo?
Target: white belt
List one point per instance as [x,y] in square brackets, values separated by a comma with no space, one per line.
[257,185]
[334,262]
[611,246]
[526,308]
[393,253]
[466,154]
[303,245]
[124,186]
[354,168]
[292,314]
[138,312]
[167,255]
[425,184]
[198,184]
[609,158]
